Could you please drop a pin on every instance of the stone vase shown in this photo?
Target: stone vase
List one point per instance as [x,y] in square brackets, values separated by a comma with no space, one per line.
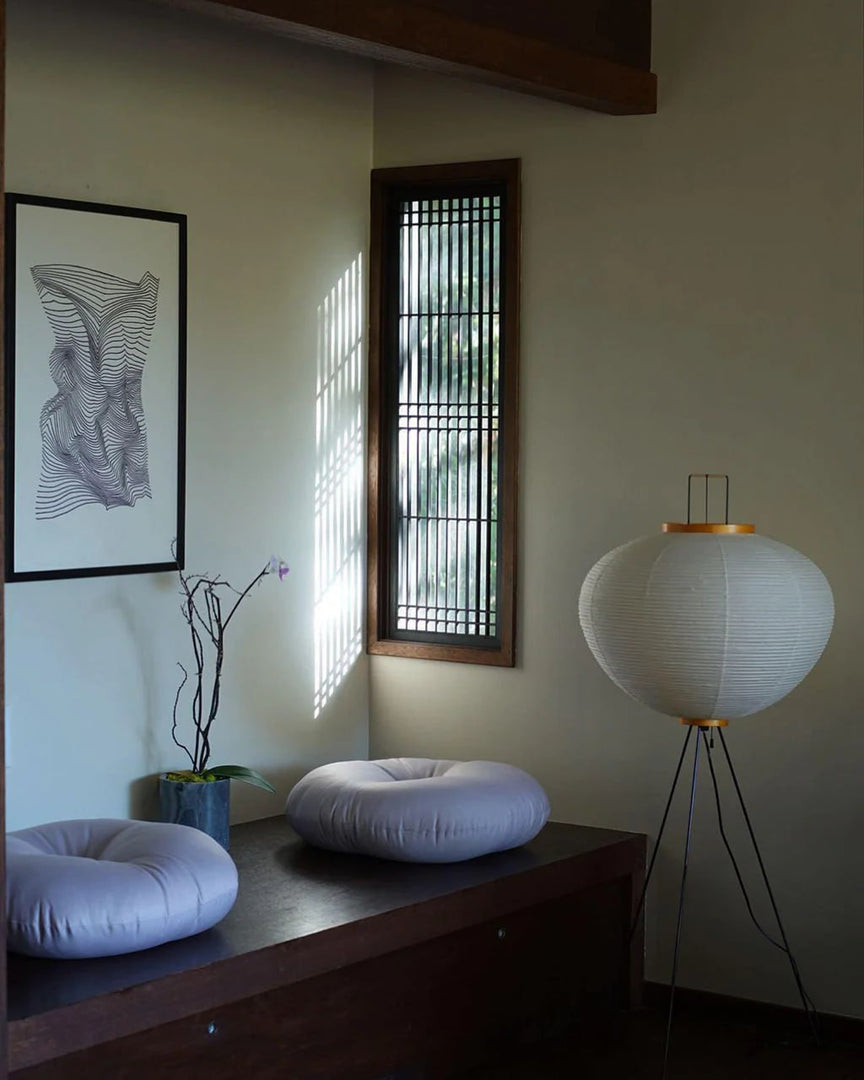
[204,806]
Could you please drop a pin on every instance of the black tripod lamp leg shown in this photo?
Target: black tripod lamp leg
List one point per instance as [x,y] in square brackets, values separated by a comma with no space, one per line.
[681,907]
[641,902]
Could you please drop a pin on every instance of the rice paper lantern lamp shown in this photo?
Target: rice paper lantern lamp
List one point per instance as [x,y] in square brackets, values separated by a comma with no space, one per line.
[706,622]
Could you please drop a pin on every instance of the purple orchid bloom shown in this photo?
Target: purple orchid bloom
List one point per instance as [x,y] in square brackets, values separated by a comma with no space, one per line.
[279,567]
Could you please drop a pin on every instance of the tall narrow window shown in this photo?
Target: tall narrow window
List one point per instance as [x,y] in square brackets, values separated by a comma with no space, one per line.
[444,281]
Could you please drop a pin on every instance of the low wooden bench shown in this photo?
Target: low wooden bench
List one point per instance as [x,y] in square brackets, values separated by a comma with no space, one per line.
[347,968]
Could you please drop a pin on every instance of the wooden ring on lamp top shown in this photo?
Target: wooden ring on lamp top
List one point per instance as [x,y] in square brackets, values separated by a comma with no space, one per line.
[706,527]
[703,723]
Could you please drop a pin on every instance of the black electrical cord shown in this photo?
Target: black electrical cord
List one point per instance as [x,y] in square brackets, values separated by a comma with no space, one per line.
[809,1008]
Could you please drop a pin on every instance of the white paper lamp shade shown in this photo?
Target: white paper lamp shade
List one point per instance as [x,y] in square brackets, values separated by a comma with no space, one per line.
[706,625]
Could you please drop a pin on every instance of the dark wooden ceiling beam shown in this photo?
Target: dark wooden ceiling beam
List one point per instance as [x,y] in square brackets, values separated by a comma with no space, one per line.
[591,53]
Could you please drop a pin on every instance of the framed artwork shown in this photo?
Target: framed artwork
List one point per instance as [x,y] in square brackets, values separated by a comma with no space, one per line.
[95,388]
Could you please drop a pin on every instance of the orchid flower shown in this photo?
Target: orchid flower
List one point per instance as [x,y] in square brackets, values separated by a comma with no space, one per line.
[279,567]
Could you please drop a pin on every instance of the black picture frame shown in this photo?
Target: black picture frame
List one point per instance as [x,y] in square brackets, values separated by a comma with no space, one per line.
[112,429]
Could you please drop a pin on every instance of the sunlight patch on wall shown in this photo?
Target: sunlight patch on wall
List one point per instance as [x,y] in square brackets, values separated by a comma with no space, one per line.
[339,542]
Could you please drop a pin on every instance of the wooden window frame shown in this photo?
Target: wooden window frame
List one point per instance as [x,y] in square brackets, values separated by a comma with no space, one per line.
[385,183]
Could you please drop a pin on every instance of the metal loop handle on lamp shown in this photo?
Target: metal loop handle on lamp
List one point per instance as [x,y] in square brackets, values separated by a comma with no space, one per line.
[706,526]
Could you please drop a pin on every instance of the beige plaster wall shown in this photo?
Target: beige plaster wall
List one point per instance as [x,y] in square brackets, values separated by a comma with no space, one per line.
[692,301]
[266,147]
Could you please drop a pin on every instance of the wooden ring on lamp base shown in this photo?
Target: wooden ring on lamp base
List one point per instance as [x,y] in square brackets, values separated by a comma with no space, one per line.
[703,723]
[706,527]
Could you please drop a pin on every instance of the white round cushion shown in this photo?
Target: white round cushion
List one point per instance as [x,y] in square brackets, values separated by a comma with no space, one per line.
[102,887]
[417,809]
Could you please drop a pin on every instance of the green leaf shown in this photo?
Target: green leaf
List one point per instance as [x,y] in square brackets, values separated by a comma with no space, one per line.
[240,772]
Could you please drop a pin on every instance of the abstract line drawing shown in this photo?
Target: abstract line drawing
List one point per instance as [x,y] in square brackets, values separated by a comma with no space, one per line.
[95,321]
[93,430]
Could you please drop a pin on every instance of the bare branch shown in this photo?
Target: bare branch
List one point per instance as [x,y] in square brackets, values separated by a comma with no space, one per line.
[245,593]
[182,746]
[198,696]
[190,583]
[203,613]
[217,674]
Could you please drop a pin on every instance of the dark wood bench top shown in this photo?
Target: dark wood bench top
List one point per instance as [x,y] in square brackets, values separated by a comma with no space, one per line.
[299,913]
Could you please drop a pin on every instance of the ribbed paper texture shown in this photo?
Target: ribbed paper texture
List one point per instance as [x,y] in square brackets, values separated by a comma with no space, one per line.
[706,625]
